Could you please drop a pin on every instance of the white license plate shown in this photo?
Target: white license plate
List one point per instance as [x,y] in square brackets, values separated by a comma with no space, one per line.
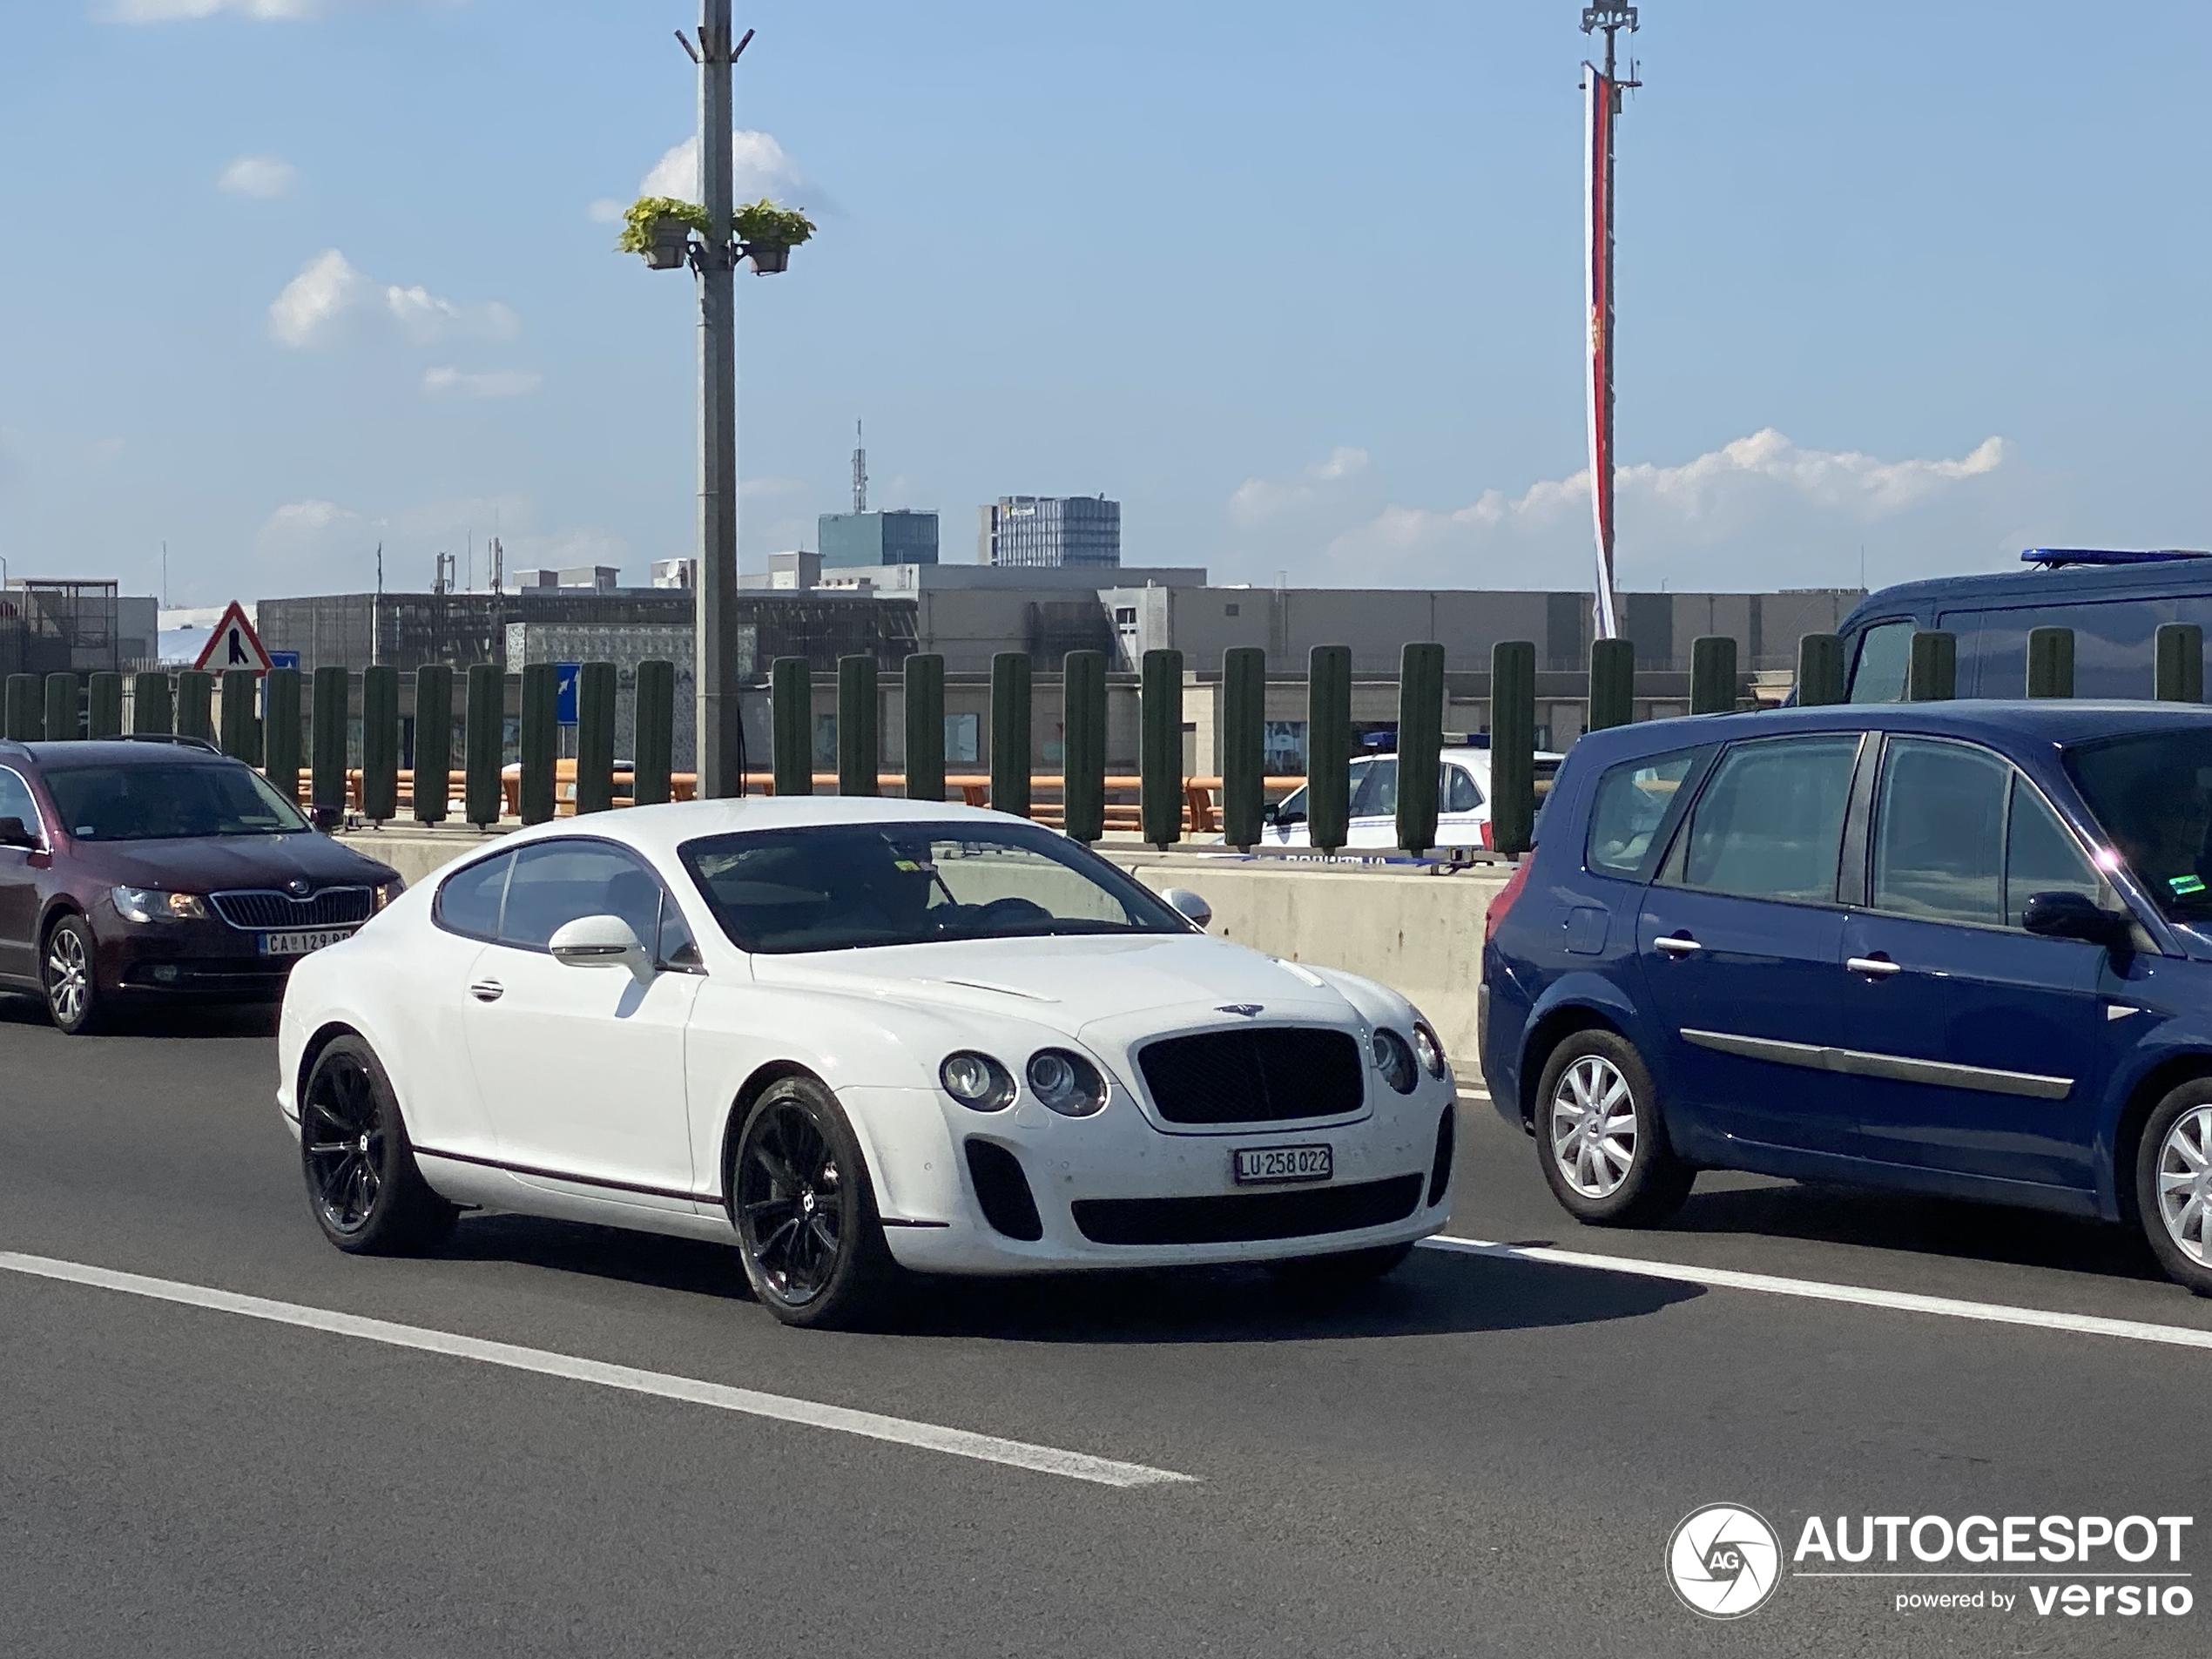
[298,944]
[1259,1165]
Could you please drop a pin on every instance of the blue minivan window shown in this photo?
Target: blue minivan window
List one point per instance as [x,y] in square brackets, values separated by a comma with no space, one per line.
[1940,841]
[1630,804]
[2153,794]
[1771,823]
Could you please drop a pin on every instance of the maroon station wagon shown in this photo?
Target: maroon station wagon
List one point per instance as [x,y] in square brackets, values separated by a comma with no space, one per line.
[148,868]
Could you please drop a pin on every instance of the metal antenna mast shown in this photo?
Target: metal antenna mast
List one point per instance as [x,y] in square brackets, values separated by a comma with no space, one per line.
[859,469]
[1611,17]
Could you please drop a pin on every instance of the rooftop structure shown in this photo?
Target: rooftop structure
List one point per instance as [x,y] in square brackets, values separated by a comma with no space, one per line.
[1033,531]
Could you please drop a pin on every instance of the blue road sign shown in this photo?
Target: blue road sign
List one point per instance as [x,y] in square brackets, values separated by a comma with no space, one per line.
[284,659]
[564,678]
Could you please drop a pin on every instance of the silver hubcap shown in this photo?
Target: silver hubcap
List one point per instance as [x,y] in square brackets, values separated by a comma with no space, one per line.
[67,974]
[1594,1127]
[2185,1185]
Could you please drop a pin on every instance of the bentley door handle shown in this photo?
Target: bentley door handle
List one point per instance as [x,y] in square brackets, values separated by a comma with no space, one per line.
[1675,947]
[487,990]
[1874,967]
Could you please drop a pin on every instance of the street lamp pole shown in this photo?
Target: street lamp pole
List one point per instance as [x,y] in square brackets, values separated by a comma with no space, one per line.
[720,728]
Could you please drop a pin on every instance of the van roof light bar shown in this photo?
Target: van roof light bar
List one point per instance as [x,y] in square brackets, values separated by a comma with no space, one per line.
[2054,558]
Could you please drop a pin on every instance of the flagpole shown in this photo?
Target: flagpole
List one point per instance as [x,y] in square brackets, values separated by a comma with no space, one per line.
[1603,90]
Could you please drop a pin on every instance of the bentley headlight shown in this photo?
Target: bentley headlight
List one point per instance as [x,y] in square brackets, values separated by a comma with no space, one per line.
[977,1082]
[1066,1083]
[1394,1060]
[1428,1050]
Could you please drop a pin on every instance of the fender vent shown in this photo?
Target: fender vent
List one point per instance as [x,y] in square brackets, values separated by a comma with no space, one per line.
[1003,1191]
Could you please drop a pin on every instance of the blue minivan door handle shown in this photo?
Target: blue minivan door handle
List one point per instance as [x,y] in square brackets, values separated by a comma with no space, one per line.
[1675,945]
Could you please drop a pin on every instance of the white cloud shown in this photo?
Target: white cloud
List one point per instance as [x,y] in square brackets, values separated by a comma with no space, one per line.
[261,176]
[186,10]
[760,167]
[299,519]
[1256,500]
[606,211]
[445,380]
[329,290]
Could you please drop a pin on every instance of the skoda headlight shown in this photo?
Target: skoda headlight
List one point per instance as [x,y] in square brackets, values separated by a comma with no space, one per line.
[389,891]
[1429,1051]
[977,1082]
[1066,1083]
[1394,1060]
[148,904]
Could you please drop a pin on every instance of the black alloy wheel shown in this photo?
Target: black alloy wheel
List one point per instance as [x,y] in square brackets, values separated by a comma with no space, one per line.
[69,970]
[366,1194]
[807,1231]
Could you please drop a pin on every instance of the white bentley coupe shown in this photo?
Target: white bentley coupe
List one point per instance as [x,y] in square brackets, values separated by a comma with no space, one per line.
[855,1037]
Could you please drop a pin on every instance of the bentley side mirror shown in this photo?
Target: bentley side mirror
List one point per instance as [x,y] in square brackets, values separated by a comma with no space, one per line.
[1188,905]
[601,941]
[2076,915]
[13,834]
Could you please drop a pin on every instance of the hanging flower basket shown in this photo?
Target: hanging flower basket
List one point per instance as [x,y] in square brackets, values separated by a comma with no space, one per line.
[660,228]
[768,259]
[664,251]
[767,233]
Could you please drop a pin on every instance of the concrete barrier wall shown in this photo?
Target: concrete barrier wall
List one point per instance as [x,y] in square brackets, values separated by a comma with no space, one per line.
[1420,933]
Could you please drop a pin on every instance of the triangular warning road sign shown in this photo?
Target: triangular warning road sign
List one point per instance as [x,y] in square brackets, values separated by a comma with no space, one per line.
[233,644]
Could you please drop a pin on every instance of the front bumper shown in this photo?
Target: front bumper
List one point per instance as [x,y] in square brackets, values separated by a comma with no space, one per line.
[208,958]
[1116,1175]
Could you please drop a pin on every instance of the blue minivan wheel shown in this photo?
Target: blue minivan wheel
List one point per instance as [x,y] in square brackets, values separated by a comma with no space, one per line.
[2174,1185]
[1601,1137]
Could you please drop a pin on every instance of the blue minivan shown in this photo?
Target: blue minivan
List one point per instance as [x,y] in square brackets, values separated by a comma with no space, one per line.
[1960,948]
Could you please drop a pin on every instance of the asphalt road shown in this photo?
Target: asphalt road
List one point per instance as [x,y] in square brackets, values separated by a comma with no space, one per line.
[1478,1455]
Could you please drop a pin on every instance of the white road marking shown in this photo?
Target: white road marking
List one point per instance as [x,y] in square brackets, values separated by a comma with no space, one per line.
[929,1437]
[1820,1290]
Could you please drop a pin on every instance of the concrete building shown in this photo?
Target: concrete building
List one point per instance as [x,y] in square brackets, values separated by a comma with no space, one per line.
[863,538]
[53,626]
[1048,530]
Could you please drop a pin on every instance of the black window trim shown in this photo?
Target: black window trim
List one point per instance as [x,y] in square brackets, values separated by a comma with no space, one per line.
[514,855]
[1668,872]
[37,814]
[506,855]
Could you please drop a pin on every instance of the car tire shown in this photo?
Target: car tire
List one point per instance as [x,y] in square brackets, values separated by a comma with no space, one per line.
[2174,1185]
[808,1233]
[1628,1176]
[364,1188]
[69,972]
[1343,1270]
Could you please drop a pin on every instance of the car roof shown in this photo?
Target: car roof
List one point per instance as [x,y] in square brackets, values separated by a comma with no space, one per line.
[2057,721]
[115,751]
[2034,585]
[658,831]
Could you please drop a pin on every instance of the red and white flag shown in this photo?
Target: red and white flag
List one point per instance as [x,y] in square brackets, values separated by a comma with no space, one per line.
[1600,101]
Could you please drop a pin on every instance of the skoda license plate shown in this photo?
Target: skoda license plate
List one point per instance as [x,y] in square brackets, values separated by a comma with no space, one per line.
[1259,1165]
[298,944]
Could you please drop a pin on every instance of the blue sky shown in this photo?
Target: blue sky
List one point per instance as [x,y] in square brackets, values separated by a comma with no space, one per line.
[1300,284]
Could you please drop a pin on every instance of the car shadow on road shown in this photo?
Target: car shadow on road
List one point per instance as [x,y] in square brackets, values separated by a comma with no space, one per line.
[1433,1292]
[1956,1227]
[158,1019]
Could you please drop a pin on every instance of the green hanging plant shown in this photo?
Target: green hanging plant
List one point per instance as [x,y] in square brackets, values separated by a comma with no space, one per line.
[638,222]
[762,224]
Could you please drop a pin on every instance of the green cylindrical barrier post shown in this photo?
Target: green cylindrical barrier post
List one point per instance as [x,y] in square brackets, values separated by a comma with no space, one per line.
[432,742]
[381,743]
[1712,674]
[1083,763]
[1159,750]
[332,716]
[859,736]
[925,678]
[1328,746]
[1010,730]
[240,724]
[1243,744]
[791,712]
[595,738]
[154,708]
[485,740]
[104,705]
[2050,662]
[1613,684]
[281,731]
[1421,740]
[26,713]
[63,723]
[1513,745]
[1820,670]
[195,705]
[541,738]
[1933,676]
[2179,663]
[654,751]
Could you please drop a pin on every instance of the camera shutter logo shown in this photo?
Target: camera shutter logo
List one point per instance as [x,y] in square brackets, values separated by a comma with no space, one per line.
[1724,1561]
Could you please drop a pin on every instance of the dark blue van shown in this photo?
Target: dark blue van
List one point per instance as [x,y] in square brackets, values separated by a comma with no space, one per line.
[2114,602]
[1961,949]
